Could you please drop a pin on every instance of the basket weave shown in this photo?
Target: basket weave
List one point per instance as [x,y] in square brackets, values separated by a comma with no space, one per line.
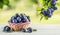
[18,26]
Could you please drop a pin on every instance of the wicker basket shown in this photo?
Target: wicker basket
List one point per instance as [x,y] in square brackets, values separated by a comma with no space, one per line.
[18,26]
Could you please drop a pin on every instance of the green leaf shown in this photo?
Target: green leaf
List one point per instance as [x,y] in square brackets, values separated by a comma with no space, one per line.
[6,2]
[41,17]
[34,29]
[46,17]
[34,1]
[1,5]
[58,4]
[1,0]
[38,9]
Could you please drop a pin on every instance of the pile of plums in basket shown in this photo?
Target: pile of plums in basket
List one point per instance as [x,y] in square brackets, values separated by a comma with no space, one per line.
[18,19]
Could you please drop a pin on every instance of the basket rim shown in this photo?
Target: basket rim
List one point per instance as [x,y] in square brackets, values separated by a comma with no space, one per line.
[19,23]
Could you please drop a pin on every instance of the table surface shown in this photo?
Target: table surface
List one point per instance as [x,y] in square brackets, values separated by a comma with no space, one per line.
[42,29]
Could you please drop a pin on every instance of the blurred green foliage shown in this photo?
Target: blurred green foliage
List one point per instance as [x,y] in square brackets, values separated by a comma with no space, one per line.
[34,1]
[4,2]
